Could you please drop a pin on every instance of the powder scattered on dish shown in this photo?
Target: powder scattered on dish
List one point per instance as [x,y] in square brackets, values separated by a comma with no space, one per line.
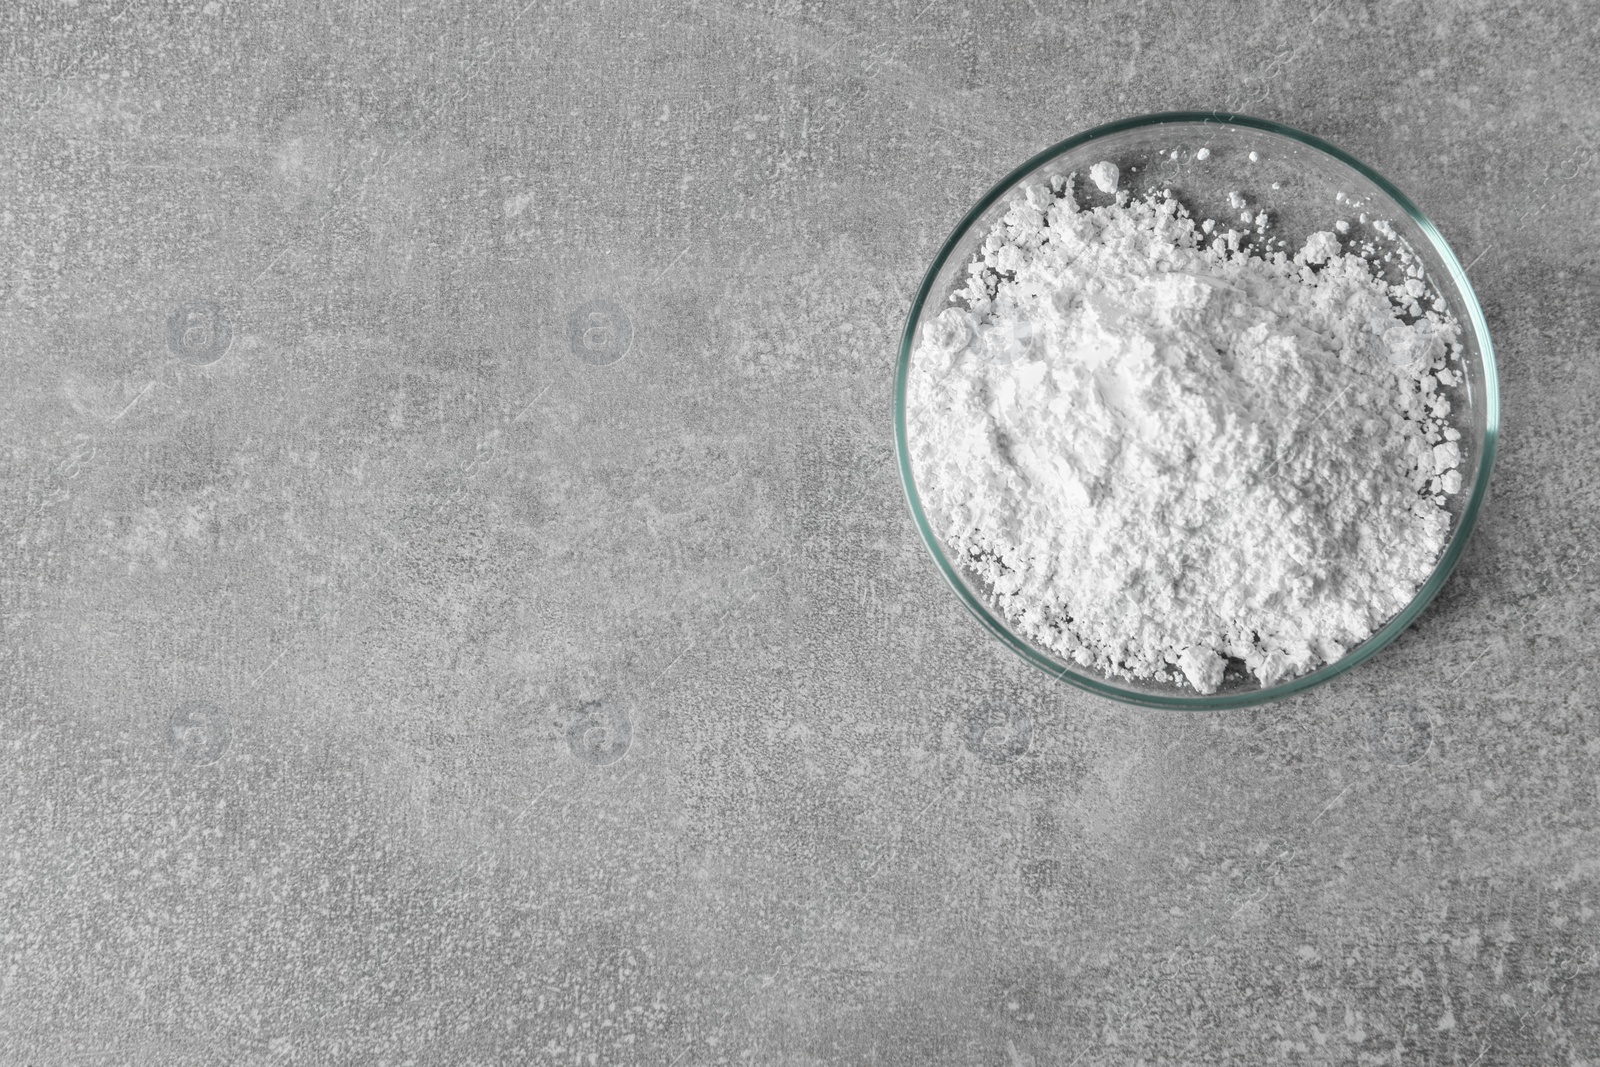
[1165,451]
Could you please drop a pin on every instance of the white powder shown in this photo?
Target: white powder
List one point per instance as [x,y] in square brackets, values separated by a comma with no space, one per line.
[1163,453]
[1320,247]
[1105,176]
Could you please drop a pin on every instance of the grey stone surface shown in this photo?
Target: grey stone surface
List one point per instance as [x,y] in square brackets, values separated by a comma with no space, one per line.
[458,606]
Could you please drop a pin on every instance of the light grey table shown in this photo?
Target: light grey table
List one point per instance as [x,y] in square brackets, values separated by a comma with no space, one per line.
[515,649]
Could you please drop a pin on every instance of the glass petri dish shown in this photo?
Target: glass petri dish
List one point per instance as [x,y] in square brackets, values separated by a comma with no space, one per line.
[1306,184]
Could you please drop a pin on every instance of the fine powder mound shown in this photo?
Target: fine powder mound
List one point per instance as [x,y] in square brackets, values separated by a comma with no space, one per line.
[1162,451]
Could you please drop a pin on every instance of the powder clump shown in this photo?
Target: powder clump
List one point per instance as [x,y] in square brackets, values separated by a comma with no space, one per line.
[1165,454]
[1105,176]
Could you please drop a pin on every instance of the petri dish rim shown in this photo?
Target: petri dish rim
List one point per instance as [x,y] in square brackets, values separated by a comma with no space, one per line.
[1470,313]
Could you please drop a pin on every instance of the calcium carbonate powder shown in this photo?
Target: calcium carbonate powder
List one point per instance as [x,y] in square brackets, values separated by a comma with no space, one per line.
[1164,452]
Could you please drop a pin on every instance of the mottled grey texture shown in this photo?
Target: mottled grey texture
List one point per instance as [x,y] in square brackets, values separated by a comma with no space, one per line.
[515,649]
